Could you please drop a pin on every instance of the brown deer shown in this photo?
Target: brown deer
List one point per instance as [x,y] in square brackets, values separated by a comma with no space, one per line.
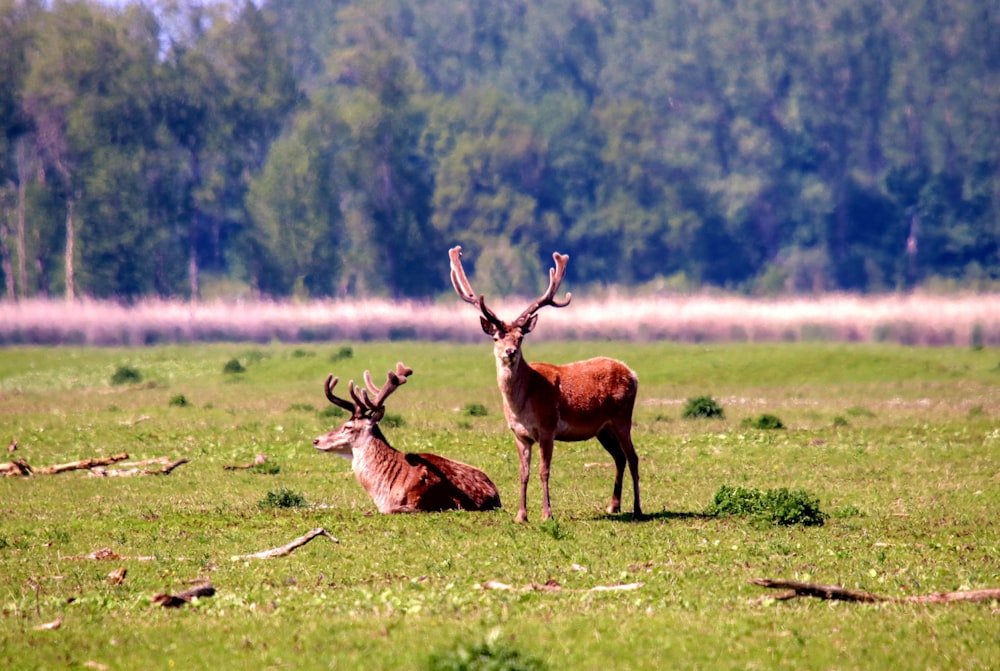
[398,482]
[544,402]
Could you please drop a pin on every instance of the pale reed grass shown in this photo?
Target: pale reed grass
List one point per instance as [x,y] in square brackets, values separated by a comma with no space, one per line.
[914,319]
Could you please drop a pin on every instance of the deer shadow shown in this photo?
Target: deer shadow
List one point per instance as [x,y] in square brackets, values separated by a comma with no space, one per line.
[662,515]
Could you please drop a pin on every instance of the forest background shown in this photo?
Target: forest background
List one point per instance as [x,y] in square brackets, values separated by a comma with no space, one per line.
[336,148]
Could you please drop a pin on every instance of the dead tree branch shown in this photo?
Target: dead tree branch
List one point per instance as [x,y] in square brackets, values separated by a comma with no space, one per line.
[795,589]
[289,548]
[185,597]
[128,472]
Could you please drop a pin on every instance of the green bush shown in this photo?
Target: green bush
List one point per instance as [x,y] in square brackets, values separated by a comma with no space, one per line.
[332,411]
[780,507]
[702,406]
[765,421]
[392,420]
[492,654]
[475,410]
[283,498]
[345,352]
[126,375]
[179,401]
[233,366]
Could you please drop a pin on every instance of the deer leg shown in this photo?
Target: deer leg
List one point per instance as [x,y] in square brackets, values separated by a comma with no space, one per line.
[524,457]
[625,438]
[545,450]
[610,442]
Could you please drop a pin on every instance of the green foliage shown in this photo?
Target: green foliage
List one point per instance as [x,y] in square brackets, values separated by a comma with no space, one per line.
[492,654]
[392,420]
[702,407]
[233,366]
[283,498]
[178,401]
[475,410]
[343,353]
[764,421]
[126,375]
[303,407]
[332,411]
[781,507]
[268,467]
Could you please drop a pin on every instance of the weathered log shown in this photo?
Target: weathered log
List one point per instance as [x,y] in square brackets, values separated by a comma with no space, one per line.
[128,472]
[16,468]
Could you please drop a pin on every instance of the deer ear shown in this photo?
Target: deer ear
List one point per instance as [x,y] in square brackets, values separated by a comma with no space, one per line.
[529,325]
[378,414]
[489,328]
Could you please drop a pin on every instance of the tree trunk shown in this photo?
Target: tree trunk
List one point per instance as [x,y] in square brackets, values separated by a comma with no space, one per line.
[70,235]
[23,169]
[5,265]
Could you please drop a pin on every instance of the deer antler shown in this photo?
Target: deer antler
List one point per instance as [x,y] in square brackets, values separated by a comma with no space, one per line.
[374,397]
[548,298]
[328,386]
[464,289]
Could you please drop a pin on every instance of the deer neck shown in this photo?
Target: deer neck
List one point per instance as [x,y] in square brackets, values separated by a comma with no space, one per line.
[374,464]
[512,380]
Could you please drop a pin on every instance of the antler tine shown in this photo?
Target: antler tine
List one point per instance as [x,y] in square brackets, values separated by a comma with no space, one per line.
[548,298]
[328,386]
[458,278]
[464,289]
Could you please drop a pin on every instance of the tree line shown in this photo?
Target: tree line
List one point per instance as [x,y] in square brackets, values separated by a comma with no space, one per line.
[317,148]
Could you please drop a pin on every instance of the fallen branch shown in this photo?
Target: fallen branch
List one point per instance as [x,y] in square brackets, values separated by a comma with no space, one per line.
[257,461]
[795,589]
[49,626]
[185,597]
[289,548]
[128,472]
[553,586]
[105,554]
[18,467]
[81,465]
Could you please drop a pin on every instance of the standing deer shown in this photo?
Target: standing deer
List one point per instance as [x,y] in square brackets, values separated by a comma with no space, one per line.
[398,482]
[544,402]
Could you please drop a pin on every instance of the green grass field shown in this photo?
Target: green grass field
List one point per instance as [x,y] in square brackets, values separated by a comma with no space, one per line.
[900,445]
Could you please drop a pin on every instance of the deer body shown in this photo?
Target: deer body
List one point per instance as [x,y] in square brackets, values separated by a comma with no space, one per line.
[546,402]
[399,482]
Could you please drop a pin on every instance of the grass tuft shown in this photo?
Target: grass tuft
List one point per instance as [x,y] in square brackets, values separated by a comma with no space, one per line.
[283,498]
[765,421]
[492,654]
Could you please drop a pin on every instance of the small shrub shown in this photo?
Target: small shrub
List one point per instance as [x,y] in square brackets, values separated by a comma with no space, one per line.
[392,421]
[178,401]
[126,375]
[345,352]
[493,654]
[765,421]
[302,407]
[780,507]
[233,366]
[702,406]
[475,410]
[283,498]
[839,421]
[332,411]
[302,354]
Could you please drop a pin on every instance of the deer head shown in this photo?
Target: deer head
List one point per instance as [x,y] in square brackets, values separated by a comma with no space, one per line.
[367,407]
[507,337]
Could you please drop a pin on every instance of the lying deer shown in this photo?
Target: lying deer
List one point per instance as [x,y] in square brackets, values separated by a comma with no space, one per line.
[544,402]
[397,482]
